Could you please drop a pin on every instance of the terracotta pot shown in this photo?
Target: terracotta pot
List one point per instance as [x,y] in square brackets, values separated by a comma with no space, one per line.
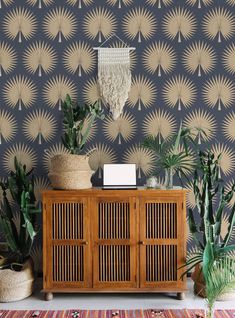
[70,172]
[200,288]
[14,285]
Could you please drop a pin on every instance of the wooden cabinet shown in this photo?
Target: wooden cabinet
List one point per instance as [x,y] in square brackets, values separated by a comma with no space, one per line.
[114,241]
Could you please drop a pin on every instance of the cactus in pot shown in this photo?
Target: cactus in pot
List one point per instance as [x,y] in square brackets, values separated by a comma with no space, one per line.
[72,170]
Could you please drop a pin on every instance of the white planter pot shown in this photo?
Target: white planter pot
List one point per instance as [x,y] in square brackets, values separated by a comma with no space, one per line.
[70,172]
[14,285]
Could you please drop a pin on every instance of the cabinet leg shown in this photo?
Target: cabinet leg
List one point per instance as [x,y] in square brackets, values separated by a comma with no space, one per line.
[48,296]
[180,296]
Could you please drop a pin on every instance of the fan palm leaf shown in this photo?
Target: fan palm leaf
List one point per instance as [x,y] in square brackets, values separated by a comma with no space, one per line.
[179,23]
[219,22]
[40,184]
[39,125]
[159,3]
[56,89]
[40,56]
[139,22]
[202,124]
[19,22]
[40,2]
[218,91]
[159,57]
[6,2]
[228,127]
[159,124]
[23,153]
[227,161]
[231,2]
[124,127]
[199,2]
[100,154]
[80,2]
[78,57]
[99,22]
[59,22]
[8,126]
[229,59]
[91,91]
[143,92]
[143,159]
[19,90]
[8,58]
[179,91]
[120,2]
[199,57]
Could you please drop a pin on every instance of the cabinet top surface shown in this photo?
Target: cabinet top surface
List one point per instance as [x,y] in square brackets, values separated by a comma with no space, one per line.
[132,192]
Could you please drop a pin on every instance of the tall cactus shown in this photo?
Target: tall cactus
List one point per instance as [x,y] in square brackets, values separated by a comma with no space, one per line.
[205,221]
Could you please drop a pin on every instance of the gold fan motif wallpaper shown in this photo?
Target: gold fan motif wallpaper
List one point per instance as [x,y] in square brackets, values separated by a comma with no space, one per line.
[182,71]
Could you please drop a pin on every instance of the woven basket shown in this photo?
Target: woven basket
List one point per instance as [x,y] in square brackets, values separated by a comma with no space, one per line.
[200,288]
[70,172]
[14,285]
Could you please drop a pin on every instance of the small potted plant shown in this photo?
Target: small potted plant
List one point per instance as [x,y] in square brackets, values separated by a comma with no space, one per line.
[205,226]
[16,270]
[172,155]
[72,171]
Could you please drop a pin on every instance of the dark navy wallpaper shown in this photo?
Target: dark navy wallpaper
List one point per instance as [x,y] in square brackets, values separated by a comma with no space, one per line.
[182,71]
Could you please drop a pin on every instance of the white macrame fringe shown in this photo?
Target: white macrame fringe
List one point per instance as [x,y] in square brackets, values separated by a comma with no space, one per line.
[114,77]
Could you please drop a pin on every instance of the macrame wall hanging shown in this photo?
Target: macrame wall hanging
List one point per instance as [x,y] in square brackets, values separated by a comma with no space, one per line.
[114,76]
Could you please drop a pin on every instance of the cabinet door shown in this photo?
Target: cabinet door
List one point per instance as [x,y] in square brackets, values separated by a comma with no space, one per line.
[162,243]
[67,244]
[114,239]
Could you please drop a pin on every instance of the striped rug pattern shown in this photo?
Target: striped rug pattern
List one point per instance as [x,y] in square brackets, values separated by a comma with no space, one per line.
[149,313]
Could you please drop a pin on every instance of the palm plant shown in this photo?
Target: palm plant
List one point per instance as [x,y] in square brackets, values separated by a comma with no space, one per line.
[76,129]
[21,186]
[219,281]
[170,156]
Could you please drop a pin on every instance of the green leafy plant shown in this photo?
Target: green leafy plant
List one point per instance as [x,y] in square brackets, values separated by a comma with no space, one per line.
[170,156]
[219,281]
[21,187]
[207,231]
[78,121]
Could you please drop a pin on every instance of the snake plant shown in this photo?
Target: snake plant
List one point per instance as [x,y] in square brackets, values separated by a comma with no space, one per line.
[19,238]
[78,121]
[207,230]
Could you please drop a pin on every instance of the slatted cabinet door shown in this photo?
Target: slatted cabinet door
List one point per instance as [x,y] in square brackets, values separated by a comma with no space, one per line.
[162,243]
[68,244]
[114,239]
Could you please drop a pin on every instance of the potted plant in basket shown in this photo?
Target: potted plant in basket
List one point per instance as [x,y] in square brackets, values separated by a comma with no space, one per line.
[72,171]
[213,264]
[16,271]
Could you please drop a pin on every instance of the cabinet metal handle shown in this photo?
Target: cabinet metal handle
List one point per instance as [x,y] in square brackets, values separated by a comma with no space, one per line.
[142,243]
[84,242]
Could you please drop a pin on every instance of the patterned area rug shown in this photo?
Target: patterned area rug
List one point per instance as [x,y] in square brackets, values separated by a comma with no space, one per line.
[150,313]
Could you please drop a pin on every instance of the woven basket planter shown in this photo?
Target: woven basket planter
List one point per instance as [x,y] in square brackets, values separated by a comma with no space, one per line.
[70,172]
[14,285]
[200,288]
